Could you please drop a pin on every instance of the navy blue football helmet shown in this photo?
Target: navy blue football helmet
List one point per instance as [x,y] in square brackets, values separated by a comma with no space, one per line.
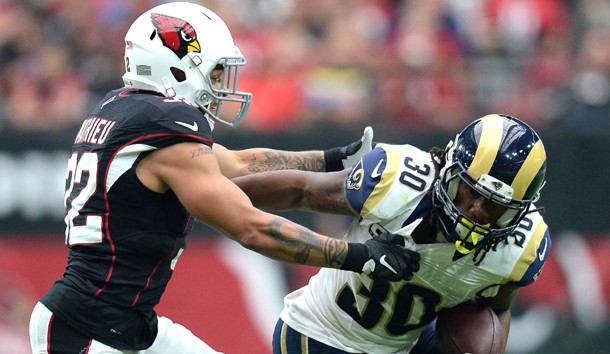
[502,159]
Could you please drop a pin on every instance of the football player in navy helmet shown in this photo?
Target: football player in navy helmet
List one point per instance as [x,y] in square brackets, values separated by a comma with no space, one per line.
[468,209]
[503,160]
[144,165]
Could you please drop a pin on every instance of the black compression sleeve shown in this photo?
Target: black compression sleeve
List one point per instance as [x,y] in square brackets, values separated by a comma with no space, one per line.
[333,157]
[357,255]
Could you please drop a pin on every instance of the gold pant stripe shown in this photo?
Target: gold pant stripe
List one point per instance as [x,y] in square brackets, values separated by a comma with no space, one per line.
[283,339]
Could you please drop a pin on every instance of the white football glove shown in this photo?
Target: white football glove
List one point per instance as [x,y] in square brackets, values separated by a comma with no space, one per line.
[343,157]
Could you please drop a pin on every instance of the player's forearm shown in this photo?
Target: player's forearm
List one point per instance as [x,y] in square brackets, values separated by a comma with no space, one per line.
[260,160]
[297,190]
[325,192]
[381,257]
[274,190]
[283,240]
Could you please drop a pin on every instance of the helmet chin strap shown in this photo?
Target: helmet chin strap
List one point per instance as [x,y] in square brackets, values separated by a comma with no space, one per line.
[211,121]
[169,90]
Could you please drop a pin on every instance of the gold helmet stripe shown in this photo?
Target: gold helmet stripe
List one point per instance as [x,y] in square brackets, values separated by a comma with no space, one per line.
[489,144]
[528,171]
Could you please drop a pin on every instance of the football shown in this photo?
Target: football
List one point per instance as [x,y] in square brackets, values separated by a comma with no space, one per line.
[469,328]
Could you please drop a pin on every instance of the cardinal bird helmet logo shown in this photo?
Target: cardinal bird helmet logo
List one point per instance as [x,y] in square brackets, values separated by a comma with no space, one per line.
[176,34]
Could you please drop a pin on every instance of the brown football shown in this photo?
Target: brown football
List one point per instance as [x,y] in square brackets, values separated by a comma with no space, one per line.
[469,328]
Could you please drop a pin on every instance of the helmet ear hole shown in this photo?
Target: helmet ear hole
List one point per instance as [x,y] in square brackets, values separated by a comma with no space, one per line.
[179,75]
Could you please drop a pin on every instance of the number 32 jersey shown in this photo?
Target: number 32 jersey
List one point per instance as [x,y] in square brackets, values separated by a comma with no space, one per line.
[124,239]
[350,311]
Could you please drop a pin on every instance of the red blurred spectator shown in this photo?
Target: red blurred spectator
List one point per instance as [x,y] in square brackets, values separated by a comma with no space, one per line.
[273,75]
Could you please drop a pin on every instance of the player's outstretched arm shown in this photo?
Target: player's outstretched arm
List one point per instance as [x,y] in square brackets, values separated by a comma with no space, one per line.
[234,163]
[191,171]
[297,190]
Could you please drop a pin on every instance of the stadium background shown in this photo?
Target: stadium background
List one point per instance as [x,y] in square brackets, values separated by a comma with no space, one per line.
[417,71]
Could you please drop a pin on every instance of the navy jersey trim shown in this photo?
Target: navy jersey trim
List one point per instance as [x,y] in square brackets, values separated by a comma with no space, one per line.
[364,177]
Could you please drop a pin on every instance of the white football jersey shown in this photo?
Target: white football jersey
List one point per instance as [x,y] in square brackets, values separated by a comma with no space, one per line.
[352,312]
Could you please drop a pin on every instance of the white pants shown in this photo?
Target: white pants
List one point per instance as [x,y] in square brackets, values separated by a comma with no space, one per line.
[171,338]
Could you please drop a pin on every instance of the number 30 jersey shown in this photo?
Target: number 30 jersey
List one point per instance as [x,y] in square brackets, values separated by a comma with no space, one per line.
[352,312]
[124,239]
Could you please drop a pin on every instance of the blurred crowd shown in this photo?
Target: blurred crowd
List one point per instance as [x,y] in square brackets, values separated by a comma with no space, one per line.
[418,65]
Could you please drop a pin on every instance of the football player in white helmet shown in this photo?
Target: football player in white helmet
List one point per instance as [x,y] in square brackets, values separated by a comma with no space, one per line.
[175,52]
[144,165]
[467,209]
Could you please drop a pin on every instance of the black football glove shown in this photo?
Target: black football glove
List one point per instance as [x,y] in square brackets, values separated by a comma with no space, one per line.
[383,257]
[340,158]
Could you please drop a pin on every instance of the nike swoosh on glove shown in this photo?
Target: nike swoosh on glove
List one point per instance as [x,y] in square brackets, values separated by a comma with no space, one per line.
[389,259]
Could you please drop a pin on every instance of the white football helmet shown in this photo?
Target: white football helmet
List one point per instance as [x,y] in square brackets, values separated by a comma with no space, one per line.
[173,48]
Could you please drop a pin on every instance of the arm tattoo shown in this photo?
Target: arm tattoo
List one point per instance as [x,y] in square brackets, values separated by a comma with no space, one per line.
[206,150]
[271,160]
[334,251]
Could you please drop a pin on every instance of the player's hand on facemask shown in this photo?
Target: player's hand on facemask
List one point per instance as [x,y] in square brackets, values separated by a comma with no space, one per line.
[342,157]
[385,258]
